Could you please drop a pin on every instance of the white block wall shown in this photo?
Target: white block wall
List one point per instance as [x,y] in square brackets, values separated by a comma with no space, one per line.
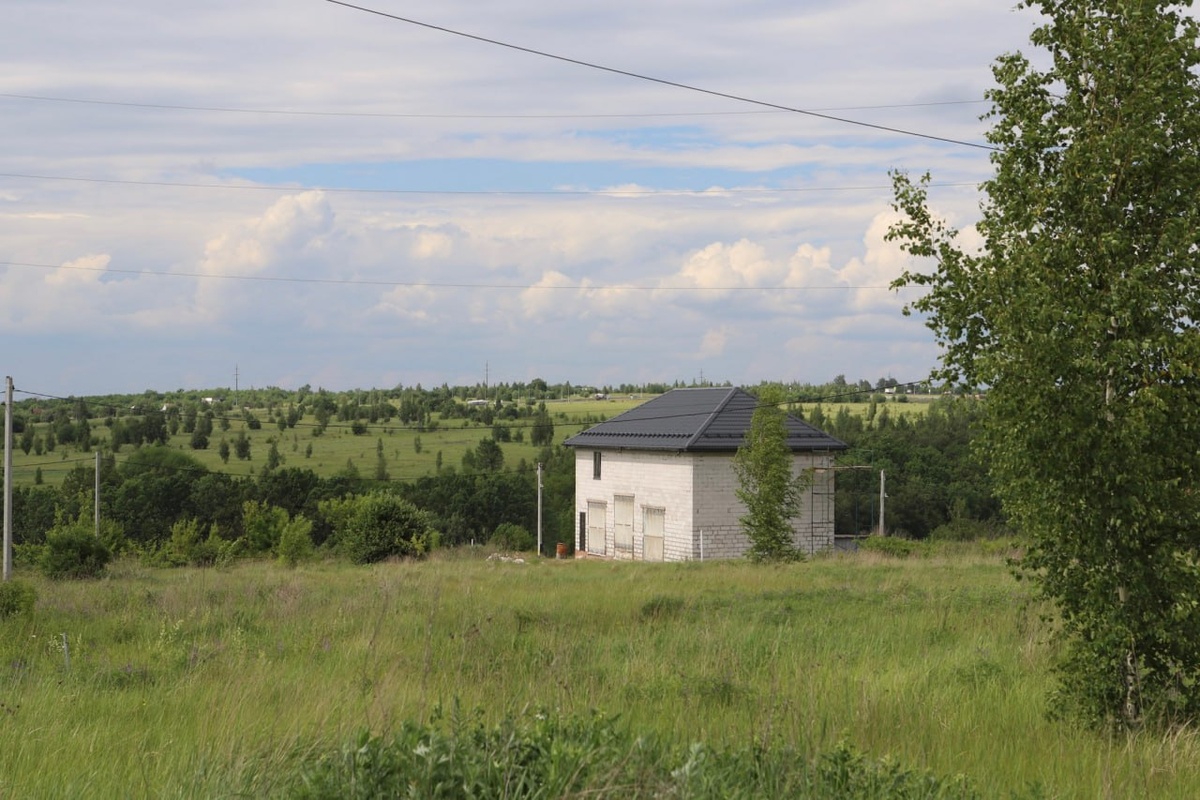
[697,492]
[654,479]
[717,511]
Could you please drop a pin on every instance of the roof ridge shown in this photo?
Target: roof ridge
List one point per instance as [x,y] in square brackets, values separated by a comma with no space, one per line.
[712,416]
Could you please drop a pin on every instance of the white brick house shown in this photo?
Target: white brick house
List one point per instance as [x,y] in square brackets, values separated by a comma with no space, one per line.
[657,482]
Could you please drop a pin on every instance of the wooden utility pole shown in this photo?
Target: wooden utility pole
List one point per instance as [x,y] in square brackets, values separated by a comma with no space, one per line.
[882,498]
[96,498]
[8,426]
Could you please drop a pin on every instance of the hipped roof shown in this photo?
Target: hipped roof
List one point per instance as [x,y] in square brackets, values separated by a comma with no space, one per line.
[695,420]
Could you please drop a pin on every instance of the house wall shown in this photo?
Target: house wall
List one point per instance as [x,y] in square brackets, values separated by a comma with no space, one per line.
[717,511]
[655,480]
[698,495]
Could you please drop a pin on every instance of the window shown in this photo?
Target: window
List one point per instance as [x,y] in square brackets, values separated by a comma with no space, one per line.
[623,522]
[596,465]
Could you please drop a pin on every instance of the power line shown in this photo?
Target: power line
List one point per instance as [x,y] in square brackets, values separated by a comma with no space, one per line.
[580,287]
[665,82]
[616,193]
[398,115]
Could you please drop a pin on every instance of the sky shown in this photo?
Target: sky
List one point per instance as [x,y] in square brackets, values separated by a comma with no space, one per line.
[290,192]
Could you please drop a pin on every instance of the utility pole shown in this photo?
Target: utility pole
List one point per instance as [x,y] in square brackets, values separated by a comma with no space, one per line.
[882,498]
[8,426]
[96,496]
[539,514]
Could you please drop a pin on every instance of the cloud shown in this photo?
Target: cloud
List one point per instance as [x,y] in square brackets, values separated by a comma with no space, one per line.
[84,271]
[747,238]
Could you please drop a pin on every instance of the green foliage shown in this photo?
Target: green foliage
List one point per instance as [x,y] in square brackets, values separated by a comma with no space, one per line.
[274,458]
[73,552]
[188,546]
[295,542]
[766,483]
[1079,316]
[377,526]
[893,546]
[545,755]
[509,536]
[963,529]
[263,525]
[17,598]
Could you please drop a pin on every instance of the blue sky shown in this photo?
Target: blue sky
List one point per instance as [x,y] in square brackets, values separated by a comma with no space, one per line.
[312,194]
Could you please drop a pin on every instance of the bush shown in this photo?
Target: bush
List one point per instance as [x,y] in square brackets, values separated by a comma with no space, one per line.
[295,543]
[543,755]
[509,536]
[893,546]
[969,530]
[73,551]
[188,547]
[16,598]
[385,526]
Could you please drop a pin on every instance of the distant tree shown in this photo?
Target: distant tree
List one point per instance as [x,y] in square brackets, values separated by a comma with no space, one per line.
[542,432]
[381,470]
[154,427]
[274,458]
[27,438]
[199,441]
[767,484]
[488,456]
[241,446]
[223,451]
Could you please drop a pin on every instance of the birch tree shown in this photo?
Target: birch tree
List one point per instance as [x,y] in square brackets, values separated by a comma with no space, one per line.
[1079,318]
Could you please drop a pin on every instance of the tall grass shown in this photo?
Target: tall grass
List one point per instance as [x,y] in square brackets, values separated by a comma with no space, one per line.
[197,682]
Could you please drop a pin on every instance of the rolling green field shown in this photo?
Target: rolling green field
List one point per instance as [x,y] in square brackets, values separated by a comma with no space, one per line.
[201,683]
[330,451]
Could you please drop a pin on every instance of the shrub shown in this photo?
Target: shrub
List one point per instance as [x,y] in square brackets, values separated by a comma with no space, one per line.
[893,546]
[964,529]
[543,755]
[188,547]
[510,536]
[73,551]
[16,598]
[264,524]
[295,543]
[385,526]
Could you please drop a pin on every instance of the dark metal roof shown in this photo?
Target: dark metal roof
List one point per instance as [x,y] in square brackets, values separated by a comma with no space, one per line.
[694,420]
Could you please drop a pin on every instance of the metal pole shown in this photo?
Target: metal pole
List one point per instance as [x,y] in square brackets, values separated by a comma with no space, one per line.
[8,426]
[882,498]
[539,514]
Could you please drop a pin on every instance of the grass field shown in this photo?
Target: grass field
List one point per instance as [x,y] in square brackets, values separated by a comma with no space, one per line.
[185,682]
[338,445]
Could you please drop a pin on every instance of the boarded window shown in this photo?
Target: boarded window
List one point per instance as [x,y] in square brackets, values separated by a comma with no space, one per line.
[623,522]
[654,524]
[597,521]
[596,465]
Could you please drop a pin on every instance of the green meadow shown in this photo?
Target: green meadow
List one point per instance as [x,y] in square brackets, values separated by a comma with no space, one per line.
[409,452]
[226,682]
